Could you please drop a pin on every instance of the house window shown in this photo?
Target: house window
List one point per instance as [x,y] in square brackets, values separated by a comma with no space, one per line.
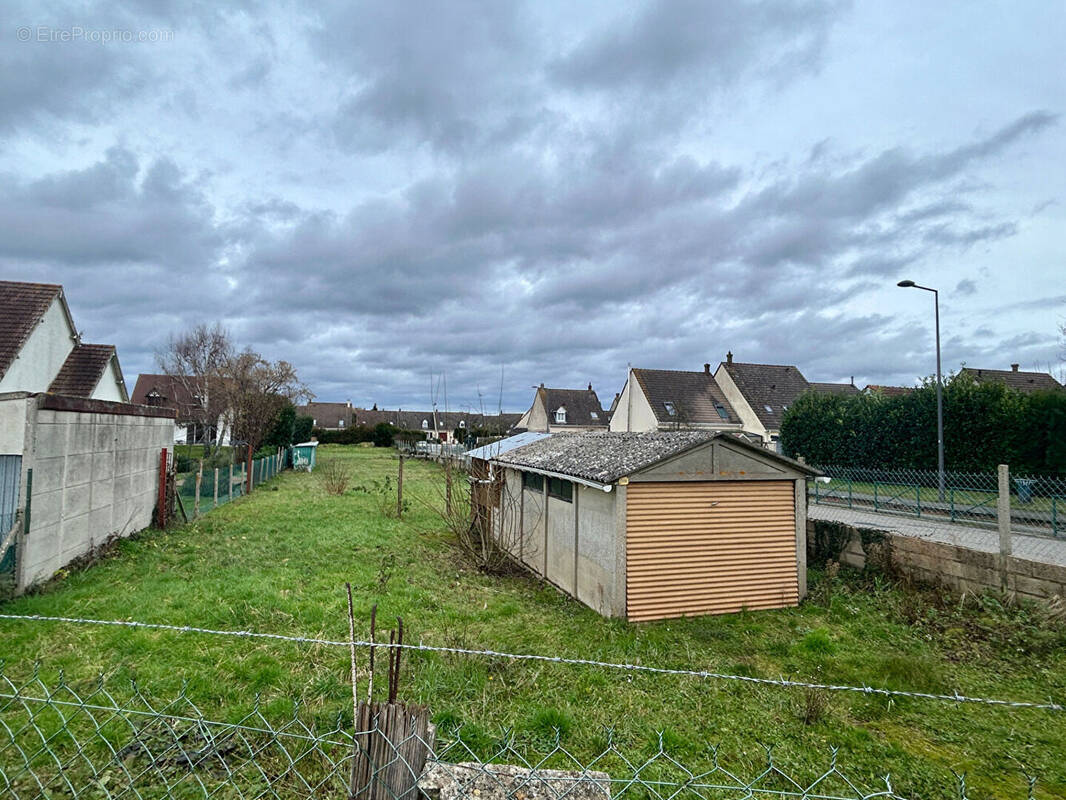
[768,410]
[721,411]
[560,489]
[425,424]
[314,423]
[340,423]
[531,480]
[560,414]
[670,409]
[594,415]
[462,423]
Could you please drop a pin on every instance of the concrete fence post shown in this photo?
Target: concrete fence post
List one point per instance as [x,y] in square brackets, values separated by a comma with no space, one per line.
[216,487]
[1003,515]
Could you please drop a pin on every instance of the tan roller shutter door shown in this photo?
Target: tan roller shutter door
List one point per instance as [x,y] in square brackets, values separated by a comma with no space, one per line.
[709,547]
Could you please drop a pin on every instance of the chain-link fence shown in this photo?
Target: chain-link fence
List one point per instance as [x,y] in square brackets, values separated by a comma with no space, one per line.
[58,739]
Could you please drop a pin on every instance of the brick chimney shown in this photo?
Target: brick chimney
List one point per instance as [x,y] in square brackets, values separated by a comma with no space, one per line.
[729,357]
[706,369]
[590,386]
[1013,367]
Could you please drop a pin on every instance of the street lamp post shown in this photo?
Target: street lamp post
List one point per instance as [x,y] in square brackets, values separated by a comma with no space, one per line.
[939,388]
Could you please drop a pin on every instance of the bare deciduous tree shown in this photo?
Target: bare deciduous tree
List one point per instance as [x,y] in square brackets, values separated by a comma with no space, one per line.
[255,390]
[195,361]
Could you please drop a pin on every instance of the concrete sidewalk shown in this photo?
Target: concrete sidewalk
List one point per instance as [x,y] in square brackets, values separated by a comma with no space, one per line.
[1033,548]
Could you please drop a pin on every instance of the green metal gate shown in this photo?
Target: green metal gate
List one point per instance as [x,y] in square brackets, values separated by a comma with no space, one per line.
[10,475]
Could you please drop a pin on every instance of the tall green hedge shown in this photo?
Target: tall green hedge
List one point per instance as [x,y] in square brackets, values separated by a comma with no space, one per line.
[985,424]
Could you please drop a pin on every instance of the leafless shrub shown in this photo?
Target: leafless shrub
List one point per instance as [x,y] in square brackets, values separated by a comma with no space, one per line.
[334,476]
[812,704]
[481,514]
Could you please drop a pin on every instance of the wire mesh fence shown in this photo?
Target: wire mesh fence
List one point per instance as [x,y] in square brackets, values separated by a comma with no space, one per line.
[1037,503]
[206,487]
[58,739]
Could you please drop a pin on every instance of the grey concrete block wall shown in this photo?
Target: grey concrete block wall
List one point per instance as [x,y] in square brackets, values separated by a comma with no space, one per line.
[95,477]
[959,568]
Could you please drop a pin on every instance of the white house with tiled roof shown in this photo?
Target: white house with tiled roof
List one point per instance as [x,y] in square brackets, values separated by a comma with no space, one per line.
[41,350]
[671,400]
[562,410]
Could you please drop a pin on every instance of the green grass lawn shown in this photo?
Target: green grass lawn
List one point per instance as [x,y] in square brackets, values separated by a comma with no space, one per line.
[277,562]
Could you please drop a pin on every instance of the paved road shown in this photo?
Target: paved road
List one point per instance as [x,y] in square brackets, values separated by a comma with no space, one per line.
[1033,548]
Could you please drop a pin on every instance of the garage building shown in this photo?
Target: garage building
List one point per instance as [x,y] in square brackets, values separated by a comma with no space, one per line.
[658,524]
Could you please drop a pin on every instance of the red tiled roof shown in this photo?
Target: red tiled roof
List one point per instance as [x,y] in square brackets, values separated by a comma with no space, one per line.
[82,370]
[21,307]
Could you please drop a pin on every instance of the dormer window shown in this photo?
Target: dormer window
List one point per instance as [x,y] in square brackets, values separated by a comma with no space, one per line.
[670,409]
[425,424]
[560,415]
[462,423]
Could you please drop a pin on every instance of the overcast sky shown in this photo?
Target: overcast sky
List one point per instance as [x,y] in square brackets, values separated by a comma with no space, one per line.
[381,192]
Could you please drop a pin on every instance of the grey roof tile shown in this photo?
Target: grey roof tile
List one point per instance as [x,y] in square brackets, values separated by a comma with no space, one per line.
[694,396]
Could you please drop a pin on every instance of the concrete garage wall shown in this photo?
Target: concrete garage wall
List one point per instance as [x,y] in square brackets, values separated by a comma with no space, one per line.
[601,550]
[575,545]
[95,477]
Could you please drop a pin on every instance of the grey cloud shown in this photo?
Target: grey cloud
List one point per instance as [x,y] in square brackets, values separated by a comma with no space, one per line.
[947,235]
[450,75]
[704,42]
[966,287]
[110,212]
[415,188]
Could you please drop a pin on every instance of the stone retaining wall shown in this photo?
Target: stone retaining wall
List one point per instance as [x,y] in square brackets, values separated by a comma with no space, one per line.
[958,568]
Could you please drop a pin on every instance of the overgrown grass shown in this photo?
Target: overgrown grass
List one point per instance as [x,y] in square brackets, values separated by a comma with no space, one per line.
[277,562]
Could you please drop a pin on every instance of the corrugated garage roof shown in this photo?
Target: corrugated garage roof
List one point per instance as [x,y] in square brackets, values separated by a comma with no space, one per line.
[501,446]
[603,456]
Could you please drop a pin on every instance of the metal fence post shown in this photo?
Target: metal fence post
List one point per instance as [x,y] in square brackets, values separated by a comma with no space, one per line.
[918,498]
[199,483]
[849,492]
[161,517]
[1003,514]
[231,480]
